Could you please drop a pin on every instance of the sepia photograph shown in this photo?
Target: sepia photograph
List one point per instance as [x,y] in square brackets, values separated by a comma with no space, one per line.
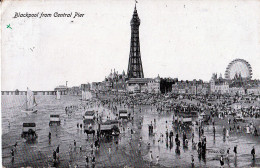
[130,83]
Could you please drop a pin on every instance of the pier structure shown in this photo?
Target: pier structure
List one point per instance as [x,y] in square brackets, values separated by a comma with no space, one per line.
[35,92]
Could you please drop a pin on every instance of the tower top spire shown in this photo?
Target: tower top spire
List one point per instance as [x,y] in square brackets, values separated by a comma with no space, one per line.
[135,10]
[135,19]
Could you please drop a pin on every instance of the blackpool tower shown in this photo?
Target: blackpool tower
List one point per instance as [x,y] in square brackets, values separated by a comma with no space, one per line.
[135,69]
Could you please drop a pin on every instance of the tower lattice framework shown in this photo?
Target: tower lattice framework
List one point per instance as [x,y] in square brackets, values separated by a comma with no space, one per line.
[135,69]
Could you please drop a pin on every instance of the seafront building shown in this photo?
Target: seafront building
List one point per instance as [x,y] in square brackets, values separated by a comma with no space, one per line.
[62,89]
[115,82]
[144,85]
[236,86]
[219,85]
[195,87]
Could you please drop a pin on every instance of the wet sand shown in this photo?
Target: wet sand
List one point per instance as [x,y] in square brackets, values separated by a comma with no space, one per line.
[125,153]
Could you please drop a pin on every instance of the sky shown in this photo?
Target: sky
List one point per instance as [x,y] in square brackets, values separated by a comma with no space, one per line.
[184,39]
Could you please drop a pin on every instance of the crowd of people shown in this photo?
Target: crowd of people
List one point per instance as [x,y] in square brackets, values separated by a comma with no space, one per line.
[218,109]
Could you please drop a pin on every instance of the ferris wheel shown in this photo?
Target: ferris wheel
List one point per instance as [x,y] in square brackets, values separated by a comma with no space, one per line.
[239,67]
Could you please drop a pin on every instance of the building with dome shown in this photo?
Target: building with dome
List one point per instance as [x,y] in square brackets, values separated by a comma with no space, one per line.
[114,82]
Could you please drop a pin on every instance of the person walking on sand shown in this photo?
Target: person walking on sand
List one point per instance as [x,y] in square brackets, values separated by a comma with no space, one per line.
[70,148]
[253,153]
[235,150]
[87,161]
[221,161]
[192,161]
[12,153]
[228,152]
[93,160]
[227,133]
[58,151]
[54,156]
[109,151]
[49,135]
[151,156]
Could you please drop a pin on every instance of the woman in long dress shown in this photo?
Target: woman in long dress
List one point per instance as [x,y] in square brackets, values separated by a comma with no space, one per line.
[227,133]
[221,161]
[247,129]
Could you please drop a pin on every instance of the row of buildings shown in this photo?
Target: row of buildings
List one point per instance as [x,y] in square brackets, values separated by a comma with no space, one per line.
[191,87]
[116,82]
[119,83]
[236,86]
